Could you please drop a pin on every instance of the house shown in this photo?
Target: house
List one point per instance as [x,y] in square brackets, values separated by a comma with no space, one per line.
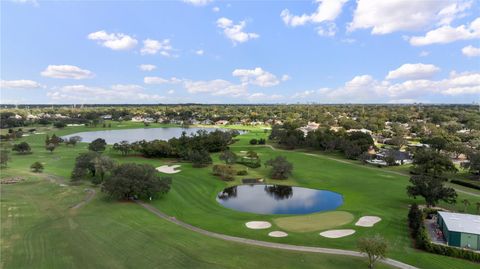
[365,131]
[460,230]
[400,157]
[137,119]
[221,122]
[107,117]
[311,126]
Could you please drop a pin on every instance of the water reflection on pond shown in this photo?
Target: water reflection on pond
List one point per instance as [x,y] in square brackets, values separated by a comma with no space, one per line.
[278,199]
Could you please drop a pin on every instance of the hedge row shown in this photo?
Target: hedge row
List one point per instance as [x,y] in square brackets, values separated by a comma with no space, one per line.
[422,240]
[466,184]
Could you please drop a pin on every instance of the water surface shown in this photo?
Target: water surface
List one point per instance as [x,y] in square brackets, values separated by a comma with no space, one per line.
[278,199]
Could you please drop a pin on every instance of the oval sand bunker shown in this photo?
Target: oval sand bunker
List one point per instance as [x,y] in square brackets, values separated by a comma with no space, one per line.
[337,233]
[258,225]
[367,221]
[277,234]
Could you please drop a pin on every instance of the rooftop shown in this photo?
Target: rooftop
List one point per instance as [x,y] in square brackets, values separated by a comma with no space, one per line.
[464,223]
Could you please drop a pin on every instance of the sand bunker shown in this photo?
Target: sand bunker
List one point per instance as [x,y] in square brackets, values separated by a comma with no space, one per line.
[337,233]
[277,234]
[367,221]
[168,169]
[258,225]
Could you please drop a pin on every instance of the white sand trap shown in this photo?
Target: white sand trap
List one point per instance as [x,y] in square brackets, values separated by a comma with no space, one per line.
[243,151]
[277,234]
[367,221]
[168,169]
[39,133]
[258,225]
[337,233]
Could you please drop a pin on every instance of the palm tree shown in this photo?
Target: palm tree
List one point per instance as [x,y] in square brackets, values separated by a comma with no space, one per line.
[466,203]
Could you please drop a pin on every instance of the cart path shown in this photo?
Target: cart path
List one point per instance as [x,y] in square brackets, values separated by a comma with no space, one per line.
[266,244]
[90,194]
[368,167]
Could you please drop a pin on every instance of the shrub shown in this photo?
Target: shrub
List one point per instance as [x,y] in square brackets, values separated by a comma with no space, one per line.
[242,173]
[37,167]
[253,141]
[261,141]
[22,148]
[59,124]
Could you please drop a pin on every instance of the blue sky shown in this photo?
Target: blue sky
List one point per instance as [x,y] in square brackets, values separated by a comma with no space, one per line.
[330,51]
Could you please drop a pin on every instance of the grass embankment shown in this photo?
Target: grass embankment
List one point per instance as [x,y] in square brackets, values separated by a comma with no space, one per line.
[366,191]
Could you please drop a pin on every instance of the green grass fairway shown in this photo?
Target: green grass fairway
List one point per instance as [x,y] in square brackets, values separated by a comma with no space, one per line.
[314,222]
[38,230]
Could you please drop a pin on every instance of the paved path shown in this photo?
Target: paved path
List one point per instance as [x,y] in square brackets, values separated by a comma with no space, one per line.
[253,242]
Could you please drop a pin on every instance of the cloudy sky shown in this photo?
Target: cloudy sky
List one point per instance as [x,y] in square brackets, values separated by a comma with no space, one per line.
[207,51]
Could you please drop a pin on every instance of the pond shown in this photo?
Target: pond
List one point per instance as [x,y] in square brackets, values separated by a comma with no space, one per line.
[278,199]
[132,135]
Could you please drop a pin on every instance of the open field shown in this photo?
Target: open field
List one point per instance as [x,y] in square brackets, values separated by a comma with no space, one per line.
[111,234]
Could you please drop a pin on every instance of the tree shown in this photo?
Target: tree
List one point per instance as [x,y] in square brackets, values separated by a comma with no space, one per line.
[432,189]
[136,181]
[465,203]
[37,167]
[226,172]
[374,247]
[437,142]
[281,168]
[59,124]
[102,165]
[47,140]
[84,164]
[55,140]
[124,147]
[228,156]
[97,145]
[478,207]
[22,148]
[253,141]
[4,158]
[473,164]
[199,158]
[73,140]
[427,161]
[51,147]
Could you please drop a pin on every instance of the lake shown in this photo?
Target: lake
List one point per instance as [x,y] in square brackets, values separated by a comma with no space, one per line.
[132,135]
[278,199]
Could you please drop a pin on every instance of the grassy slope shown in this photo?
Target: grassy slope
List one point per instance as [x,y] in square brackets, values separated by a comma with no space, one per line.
[366,191]
[40,231]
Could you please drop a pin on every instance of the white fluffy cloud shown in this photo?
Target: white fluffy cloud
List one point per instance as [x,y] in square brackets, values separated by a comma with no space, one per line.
[366,89]
[119,93]
[235,32]
[256,76]
[66,72]
[328,10]
[114,41]
[19,84]
[147,67]
[471,51]
[413,71]
[216,9]
[198,2]
[151,46]
[385,17]
[160,80]
[199,52]
[216,87]
[447,34]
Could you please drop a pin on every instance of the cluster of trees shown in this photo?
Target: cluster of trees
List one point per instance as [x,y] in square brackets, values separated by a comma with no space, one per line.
[428,179]
[352,144]
[120,181]
[281,168]
[194,148]
[255,141]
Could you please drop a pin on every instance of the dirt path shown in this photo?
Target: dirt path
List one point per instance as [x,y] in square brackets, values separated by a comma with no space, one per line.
[247,241]
[90,194]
